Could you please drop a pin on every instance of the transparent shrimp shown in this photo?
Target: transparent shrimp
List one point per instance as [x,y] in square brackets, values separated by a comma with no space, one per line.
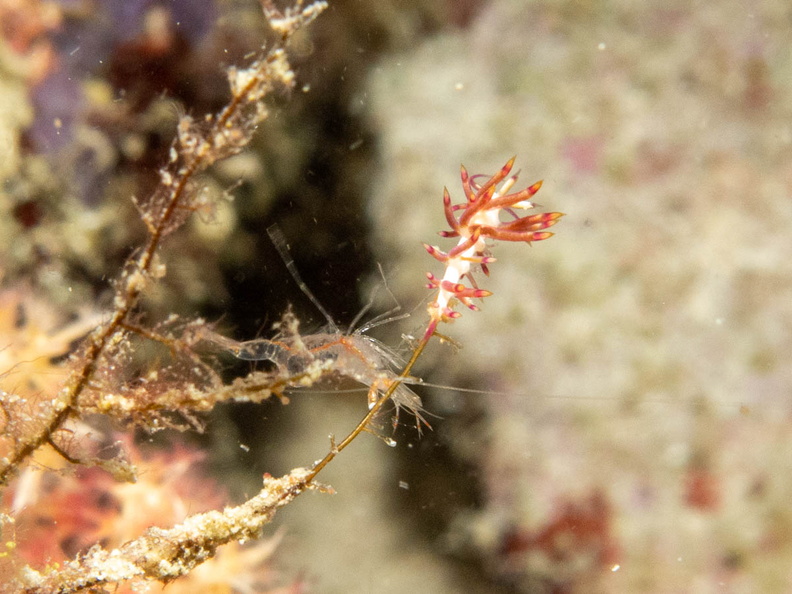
[350,354]
[356,356]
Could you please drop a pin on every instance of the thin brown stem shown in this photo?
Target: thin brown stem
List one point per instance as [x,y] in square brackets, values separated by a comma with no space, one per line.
[132,284]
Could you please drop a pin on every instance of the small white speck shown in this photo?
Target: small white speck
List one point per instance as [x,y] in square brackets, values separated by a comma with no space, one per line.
[459,86]
[719,321]
[679,559]
[601,45]
[616,567]
[404,485]
[74,51]
[306,88]
[244,447]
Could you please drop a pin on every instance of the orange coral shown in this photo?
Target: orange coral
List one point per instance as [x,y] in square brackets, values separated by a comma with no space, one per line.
[75,512]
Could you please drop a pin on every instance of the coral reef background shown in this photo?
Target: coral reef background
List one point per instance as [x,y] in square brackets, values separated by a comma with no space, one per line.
[639,438]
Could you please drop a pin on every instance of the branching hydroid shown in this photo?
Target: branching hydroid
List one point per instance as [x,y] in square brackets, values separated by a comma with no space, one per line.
[186,383]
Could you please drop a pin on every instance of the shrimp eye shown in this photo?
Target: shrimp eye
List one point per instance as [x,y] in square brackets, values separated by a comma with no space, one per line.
[326,355]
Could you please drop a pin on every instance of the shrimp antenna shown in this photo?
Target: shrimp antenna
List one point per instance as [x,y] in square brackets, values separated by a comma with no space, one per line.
[383,318]
[279,241]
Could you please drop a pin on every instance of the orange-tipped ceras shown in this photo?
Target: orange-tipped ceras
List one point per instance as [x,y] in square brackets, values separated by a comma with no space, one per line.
[479,220]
